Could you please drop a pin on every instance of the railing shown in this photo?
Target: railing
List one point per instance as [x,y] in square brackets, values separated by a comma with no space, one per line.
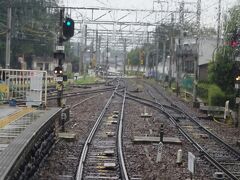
[26,86]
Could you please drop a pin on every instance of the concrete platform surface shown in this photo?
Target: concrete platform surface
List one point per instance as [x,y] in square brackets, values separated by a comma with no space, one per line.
[25,131]
[6,110]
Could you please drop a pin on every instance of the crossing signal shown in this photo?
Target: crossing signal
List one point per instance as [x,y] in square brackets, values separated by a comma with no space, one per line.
[68,28]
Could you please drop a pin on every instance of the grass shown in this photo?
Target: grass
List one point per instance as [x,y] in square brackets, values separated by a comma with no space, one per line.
[86,80]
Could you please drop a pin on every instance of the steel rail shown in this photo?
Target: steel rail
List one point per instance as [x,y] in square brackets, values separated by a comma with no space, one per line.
[124,175]
[177,108]
[79,175]
[83,93]
[120,152]
[186,135]
[237,153]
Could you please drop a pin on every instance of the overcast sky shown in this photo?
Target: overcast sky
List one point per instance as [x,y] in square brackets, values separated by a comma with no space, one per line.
[209,7]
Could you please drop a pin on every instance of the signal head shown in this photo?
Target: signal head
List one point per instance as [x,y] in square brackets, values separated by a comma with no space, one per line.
[58,70]
[68,28]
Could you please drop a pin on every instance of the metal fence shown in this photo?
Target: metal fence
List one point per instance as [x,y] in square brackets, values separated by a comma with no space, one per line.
[26,86]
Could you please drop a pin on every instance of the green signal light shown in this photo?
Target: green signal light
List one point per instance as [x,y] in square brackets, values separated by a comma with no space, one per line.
[68,23]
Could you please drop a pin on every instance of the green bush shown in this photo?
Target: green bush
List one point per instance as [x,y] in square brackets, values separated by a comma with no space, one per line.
[216,96]
[69,75]
[202,91]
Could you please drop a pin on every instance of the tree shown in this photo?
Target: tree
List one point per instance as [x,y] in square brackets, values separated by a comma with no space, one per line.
[33,29]
[133,56]
[221,71]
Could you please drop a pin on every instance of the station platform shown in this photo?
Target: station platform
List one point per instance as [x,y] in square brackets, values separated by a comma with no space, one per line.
[22,126]
[9,114]
[14,120]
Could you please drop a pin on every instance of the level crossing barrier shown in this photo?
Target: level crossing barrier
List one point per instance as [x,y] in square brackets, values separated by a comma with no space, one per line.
[26,86]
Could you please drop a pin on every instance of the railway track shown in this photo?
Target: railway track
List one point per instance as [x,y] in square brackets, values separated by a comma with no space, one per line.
[79,93]
[222,156]
[110,83]
[102,156]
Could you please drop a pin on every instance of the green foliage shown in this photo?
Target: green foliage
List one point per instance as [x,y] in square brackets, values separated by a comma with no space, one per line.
[202,91]
[33,29]
[221,71]
[70,75]
[216,96]
[234,19]
[86,80]
[133,56]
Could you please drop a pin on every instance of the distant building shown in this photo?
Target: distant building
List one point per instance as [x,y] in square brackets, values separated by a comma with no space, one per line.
[48,64]
[203,72]
[187,54]
[207,47]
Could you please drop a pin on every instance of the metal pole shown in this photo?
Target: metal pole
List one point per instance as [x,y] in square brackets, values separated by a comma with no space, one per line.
[97,50]
[171,52]
[180,59]
[147,54]
[164,58]
[157,58]
[60,59]
[125,56]
[8,37]
[116,63]
[84,50]
[219,23]
[107,53]
[197,57]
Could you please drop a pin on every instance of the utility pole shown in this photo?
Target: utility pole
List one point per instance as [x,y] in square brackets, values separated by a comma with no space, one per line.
[171,52]
[8,37]
[164,57]
[219,23]
[197,57]
[180,57]
[81,68]
[84,50]
[125,56]
[97,50]
[107,54]
[116,62]
[157,51]
[147,54]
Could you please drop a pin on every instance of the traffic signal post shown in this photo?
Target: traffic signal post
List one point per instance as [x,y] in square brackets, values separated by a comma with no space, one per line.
[66,31]
[60,56]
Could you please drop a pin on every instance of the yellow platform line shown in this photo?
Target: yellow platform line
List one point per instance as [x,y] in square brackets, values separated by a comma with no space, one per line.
[14,116]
